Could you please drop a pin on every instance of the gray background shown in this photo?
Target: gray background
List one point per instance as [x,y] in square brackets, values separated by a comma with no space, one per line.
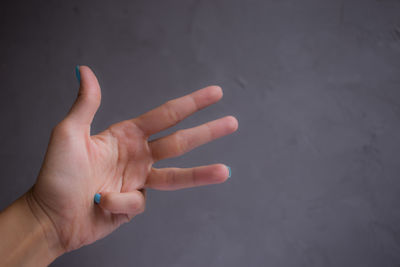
[315,86]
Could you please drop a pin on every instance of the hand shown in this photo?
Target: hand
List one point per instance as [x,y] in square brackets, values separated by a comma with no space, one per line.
[117,163]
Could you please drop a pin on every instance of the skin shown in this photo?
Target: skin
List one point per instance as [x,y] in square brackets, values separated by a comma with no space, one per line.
[58,213]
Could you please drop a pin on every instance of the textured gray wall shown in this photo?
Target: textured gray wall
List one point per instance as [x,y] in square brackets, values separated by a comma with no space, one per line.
[315,86]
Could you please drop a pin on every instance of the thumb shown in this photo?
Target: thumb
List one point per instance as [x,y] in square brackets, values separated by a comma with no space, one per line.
[89,97]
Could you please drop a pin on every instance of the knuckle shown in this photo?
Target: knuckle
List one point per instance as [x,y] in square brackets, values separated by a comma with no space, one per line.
[171,112]
[170,178]
[180,142]
[140,206]
[135,206]
[64,128]
[193,177]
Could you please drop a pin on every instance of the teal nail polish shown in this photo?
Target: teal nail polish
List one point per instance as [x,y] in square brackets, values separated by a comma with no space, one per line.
[97,197]
[229,169]
[78,73]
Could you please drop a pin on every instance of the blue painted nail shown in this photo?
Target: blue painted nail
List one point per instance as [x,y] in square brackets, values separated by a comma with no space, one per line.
[97,197]
[229,169]
[78,73]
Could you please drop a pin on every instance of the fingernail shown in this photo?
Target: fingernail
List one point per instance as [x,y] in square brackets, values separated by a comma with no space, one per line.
[78,73]
[97,197]
[229,169]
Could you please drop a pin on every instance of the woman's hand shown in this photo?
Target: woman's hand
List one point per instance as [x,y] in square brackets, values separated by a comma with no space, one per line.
[117,163]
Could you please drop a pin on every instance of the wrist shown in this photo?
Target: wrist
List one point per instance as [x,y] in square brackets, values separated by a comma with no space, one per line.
[29,238]
[43,225]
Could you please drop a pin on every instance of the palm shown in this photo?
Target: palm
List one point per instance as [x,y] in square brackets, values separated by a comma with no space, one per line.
[131,161]
[118,163]
[122,161]
[116,160]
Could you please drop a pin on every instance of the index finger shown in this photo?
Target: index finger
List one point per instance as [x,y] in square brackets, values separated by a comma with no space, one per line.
[174,111]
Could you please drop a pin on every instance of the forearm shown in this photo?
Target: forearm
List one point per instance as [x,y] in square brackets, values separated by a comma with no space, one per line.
[27,236]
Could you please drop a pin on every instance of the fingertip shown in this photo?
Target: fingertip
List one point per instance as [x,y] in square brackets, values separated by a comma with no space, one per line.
[89,96]
[233,123]
[229,171]
[103,200]
[83,67]
[97,198]
[221,173]
[216,92]
[78,73]
[88,79]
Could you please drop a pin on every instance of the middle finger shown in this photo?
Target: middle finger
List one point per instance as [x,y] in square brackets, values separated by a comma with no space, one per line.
[183,141]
